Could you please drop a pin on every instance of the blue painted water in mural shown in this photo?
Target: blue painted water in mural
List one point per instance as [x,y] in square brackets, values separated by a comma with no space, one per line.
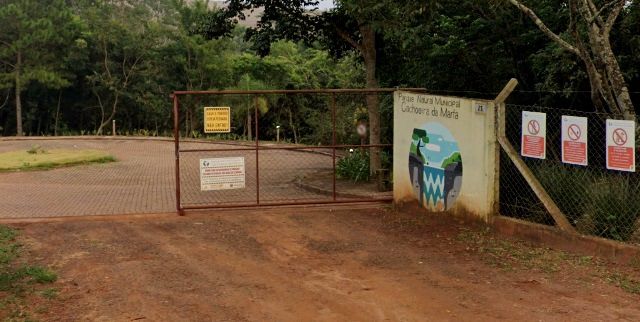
[434,185]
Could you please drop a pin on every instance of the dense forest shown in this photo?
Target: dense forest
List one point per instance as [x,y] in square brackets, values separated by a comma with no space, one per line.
[71,67]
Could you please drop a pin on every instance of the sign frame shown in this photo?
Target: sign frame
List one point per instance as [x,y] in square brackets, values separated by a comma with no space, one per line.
[222,173]
[533,136]
[621,145]
[575,140]
[217,119]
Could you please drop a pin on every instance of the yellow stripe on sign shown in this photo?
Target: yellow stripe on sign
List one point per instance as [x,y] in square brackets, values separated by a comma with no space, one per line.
[217,120]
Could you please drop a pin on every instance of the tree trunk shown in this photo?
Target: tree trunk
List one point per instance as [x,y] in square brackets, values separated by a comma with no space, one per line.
[618,84]
[249,122]
[19,131]
[55,127]
[370,60]
[608,86]
[113,114]
[293,127]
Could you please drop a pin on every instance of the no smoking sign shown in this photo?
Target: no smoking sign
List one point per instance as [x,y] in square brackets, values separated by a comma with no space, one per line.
[575,140]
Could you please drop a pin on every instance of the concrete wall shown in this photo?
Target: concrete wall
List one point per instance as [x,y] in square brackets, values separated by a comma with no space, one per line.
[445,153]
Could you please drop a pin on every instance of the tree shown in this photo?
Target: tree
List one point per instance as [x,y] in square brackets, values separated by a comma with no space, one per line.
[420,139]
[34,35]
[589,37]
[124,37]
[357,23]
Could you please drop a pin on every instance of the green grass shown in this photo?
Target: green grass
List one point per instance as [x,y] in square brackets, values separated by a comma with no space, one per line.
[37,158]
[49,293]
[19,279]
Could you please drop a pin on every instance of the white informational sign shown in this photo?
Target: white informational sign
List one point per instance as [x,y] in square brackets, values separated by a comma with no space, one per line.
[621,145]
[534,135]
[575,144]
[222,174]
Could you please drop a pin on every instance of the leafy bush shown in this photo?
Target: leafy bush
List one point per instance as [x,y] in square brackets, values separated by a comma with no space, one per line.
[614,207]
[597,203]
[354,166]
[568,186]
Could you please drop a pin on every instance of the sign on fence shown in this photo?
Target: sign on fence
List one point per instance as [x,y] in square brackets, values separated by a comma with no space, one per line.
[534,135]
[575,140]
[621,145]
[217,120]
[222,174]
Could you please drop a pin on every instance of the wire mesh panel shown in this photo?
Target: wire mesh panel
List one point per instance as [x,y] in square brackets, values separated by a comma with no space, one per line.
[193,192]
[596,201]
[298,147]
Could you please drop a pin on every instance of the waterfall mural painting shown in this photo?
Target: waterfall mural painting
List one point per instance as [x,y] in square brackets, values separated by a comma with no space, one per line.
[435,166]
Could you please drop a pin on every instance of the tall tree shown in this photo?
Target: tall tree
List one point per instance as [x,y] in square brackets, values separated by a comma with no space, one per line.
[124,36]
[588,36]
[34,35]
[357,23]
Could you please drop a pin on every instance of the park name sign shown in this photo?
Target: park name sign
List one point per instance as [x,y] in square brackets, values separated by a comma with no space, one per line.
[217,120]
[434,136]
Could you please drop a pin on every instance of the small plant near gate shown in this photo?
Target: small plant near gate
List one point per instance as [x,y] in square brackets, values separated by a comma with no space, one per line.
[354,166]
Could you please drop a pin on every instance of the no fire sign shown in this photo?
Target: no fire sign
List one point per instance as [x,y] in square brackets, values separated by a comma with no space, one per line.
[574,140]
[621,145]
[534,135]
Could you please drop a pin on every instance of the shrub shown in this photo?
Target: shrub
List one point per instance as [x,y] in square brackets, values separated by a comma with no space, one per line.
[614,207]
[354,166]
[568,186]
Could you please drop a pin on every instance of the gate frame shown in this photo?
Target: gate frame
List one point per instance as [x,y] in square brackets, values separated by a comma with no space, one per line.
[333,92]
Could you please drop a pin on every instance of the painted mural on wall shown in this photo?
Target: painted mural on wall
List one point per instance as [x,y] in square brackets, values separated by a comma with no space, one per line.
[435,166]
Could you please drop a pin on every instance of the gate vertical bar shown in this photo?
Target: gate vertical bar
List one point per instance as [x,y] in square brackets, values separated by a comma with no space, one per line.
[257,151]
[176,138]
[333,121]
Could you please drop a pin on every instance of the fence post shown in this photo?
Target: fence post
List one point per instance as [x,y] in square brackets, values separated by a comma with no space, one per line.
[113,129]
[560,218]
[176,138]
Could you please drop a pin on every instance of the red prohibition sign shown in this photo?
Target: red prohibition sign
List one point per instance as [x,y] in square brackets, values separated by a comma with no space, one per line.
[533,127]
[620,137]
[574,132]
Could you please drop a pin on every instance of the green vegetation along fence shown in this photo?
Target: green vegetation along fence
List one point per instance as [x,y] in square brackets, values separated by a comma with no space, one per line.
[596,201]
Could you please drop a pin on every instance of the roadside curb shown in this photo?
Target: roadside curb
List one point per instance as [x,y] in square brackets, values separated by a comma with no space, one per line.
[328,192]
[551,236]
[264,147]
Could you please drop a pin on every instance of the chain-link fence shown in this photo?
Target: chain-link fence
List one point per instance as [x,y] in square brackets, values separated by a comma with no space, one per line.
[596,201]
[296,147]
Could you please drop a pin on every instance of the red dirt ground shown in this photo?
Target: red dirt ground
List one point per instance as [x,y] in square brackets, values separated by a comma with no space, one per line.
[316,264]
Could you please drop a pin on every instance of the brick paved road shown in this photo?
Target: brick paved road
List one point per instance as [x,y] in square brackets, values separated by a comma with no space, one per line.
[142,181]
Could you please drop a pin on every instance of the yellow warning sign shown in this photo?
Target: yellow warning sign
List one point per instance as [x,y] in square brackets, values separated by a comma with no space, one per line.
[217,119]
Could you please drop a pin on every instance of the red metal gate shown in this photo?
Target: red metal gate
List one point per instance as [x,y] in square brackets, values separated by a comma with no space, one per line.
[293,173]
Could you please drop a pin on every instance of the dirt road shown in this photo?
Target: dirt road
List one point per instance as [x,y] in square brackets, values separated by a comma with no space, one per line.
[318,264]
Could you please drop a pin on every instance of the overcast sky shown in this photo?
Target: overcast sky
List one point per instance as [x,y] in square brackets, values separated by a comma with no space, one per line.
[326,4]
